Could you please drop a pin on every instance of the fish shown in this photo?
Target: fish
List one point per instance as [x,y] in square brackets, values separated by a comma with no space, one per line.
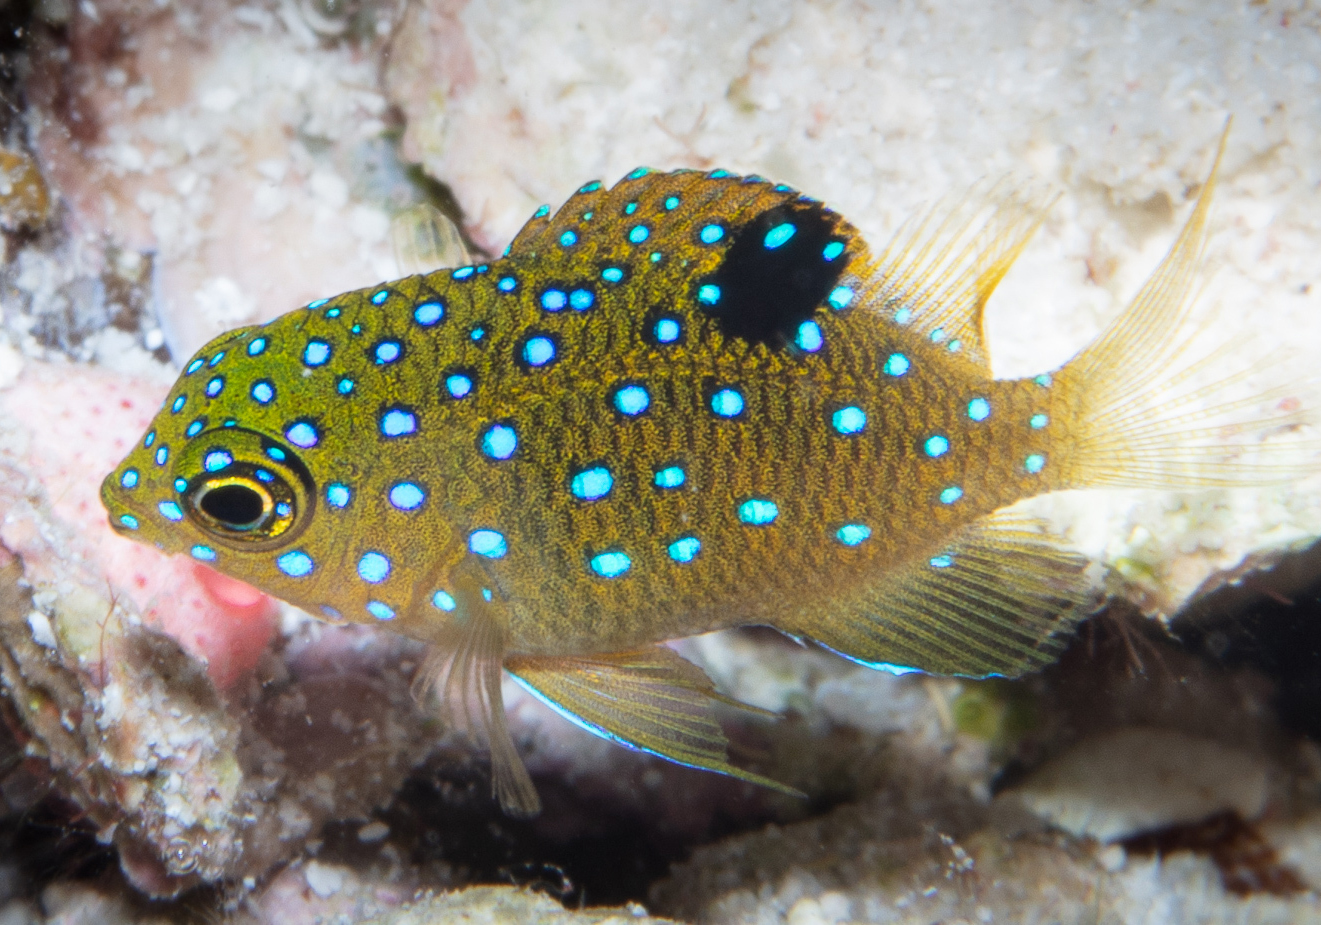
[686,402]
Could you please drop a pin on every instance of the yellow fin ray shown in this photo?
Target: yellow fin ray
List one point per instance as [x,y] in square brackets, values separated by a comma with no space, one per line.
[648,699]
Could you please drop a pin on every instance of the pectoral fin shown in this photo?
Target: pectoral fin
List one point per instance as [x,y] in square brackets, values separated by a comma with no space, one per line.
[648,699]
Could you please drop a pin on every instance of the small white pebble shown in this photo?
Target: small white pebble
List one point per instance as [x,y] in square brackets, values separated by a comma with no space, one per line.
[1113,858]
[324,880]
[42,632]
[372,832]
[154,339]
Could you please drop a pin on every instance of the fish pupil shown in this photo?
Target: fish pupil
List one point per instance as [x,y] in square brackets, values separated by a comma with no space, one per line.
[236,506]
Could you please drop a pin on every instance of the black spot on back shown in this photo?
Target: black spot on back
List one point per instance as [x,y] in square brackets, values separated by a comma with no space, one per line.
[766,293]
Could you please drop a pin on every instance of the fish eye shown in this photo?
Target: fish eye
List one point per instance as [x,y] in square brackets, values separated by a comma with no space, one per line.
[237,505]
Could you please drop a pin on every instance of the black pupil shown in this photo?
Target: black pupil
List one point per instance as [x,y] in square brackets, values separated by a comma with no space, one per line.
[234,505]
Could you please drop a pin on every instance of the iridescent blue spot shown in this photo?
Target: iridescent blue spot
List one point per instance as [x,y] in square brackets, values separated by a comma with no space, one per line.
[670,477]
[685,549]
[373,568]
[295,564]
[581,299]
[194,366]
[655,256]
[488,543]
[264,475]
[486,594]
[129,521]
[380,610]
[951,494]
[507,284]
[317,304]
[215,386]
[1044,380]
[333,312]
[257,346]
[809,337]
[630,208]
[612,274]
[428,313]
[178,404]
[708,294]
[216,359]
[302,434]
[639,233]
[758,512]
[936,446]
[129,479]
[779,235]
[216,460]
[903,316]
[195,428]
[591,484]
[442,600]
[275,453]
[632,400]
[1034,463]
[568,239]
[476,334]
[1038,421]
[840,297]
[162,454]
[955,345]
[316,353]
[897,365]
[591,187]
[718,174]
[148,440]
[554,300]
[170,511]
[667,330]
[937,335]
[407,496]
[941,561]
[387,351]
[397,423]
[380,297]
[711,234]
[833,250]
[853,534]
[458,385]
[344,386]
[499,441]
[639,172]
[611,564]
[463,272]
[979,409]
[849,420]
[263,392]
[282,509]
[671,203]
[542,211]
[180,485]
[356,329]
[727,403]
[338,495]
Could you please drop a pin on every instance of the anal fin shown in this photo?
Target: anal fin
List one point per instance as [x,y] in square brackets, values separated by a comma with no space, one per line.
[999,599]
[647,699]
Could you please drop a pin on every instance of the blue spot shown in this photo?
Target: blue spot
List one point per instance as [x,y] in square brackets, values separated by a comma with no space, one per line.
[373,568]
[639,233]
[611,564]
[263,392]
[937,335]
[203,553]
[178,404]
[180,485]
[612,274]
[508,284]
[458,385]
[283,509]
[380,297]
[727,403]
[630,208]
[685,549]
[1034,463]
[809,337]
[488,543]
[317,304]
[302,434]
[463,272]
[477,334]
[128,520]
[499,441]
[951,494]
[296,564]
[979,409]
[344,386]
[217,358]
[591,187]
[840,297]
[718,174]
[407,497]
[955,345]
[397,423]
[162,454]
[338,495]
[853,534]
[711,234]
[632,400]
[264,476]
[542,211]
[849,420]
[193,366]
[897,365]
[670,477]
[332,312]
[387,351]
[215,386]
[554,300]
[316,353]
[903,316]
[833,250]
[356,329]
[129,479]
[667,330]
[708,294]
[486,594]
[1038,421]
[638,172]
[442,600]
[591,484]
[275,453]
[936,446]
[581,299]
[758,512]
[671,203]
[380,610]
[568,239]
[941,561]
[195,428]
[170,511]
[257,346]
[148,440]
[779,235]
[216,460]
[1044,380]
[428,313]
[655,256]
